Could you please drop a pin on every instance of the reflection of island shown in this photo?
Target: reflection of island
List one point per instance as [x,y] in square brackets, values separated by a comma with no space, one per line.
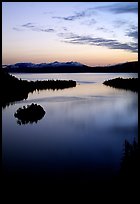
[31,114]
[130,83]
[14,89]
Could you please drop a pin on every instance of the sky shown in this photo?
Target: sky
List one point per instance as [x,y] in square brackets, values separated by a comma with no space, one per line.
[91,33]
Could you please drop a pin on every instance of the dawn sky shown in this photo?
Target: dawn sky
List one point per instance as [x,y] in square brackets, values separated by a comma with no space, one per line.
[92,33]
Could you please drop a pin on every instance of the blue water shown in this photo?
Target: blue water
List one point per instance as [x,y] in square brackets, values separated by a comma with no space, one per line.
[83,130]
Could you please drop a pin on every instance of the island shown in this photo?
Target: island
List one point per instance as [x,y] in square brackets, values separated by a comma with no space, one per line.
[128,84]
[31,113]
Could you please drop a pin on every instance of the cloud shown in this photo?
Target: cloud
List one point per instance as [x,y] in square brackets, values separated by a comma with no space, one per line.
[77,15]
[117,8]
[64,28]
[89,22]
[109,43]
[120,23]
[43,30]
[133,33]
[104,29]
[126,8]
[17,29]
[33,27]
[28,25]
[121,7]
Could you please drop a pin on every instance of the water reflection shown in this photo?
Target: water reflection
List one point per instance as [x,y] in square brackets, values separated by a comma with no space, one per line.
[75,133]
[81,139]
[130,160]
[128,176]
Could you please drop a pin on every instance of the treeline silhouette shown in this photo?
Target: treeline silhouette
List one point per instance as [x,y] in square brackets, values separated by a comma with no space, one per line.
[31,113]
[14,89]
[128,84]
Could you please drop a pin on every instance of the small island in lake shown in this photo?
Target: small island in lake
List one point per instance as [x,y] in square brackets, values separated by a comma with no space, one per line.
[31,113]
[128,84]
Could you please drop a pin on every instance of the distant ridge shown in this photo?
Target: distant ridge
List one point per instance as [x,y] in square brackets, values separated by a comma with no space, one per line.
[71,67]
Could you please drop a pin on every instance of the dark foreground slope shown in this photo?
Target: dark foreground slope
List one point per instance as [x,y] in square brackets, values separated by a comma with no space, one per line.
[13,89]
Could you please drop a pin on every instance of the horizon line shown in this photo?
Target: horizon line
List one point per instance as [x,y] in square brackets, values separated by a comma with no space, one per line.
[72,61]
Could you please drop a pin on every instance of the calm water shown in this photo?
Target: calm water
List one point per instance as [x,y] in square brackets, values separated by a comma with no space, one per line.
[83,130]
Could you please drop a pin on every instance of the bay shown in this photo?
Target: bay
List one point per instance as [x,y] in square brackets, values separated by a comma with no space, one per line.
[82,133]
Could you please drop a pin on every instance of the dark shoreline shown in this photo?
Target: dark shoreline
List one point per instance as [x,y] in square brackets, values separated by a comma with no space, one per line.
[128,84]
[14,89]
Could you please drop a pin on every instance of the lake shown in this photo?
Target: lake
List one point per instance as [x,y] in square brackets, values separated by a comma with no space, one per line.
[82,133]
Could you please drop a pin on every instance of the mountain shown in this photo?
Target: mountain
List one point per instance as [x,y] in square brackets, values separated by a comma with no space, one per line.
[71,67]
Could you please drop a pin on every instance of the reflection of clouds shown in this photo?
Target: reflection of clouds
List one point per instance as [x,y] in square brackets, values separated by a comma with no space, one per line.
[95,119]
[86,125]
[106,113]
[55,99]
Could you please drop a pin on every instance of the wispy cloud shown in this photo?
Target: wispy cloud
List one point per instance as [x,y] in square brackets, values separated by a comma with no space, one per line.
[33,27]
[103,29]
[28,25]
[64,28]
[133,33]
[121,7]
[89,22]
[17,29]
[109,43]
[77,15]
[120,23]
[43,30]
